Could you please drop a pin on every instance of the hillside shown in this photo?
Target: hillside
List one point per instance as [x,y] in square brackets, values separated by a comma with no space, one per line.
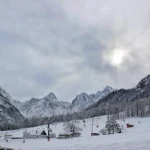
[124,100]
[8,112]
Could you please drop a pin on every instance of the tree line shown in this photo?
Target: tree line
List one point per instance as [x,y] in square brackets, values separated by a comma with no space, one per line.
[121,110]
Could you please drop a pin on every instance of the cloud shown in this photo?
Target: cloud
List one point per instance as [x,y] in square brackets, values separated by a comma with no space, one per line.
[60,46]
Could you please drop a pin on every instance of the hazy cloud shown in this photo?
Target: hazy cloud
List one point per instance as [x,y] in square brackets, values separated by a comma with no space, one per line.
[61,46]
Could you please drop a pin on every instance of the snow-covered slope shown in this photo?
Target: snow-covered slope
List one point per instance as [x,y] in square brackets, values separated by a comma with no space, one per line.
[136,138]
[8,113]
[16,103]
[5,94]
[84,100]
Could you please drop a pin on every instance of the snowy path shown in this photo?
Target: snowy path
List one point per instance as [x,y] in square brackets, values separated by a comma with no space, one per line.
[94,143]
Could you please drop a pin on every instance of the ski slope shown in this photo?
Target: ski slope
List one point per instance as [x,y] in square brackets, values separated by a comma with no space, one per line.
[137,138]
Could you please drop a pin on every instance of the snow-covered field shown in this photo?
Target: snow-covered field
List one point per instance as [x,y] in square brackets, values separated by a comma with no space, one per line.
[137,138]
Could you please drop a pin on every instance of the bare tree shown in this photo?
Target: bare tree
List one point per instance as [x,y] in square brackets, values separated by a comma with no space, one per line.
[72,127]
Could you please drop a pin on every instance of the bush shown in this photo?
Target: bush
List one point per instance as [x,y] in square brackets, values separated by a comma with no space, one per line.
[103,131]
[118,128]
[72,127]
[52,135]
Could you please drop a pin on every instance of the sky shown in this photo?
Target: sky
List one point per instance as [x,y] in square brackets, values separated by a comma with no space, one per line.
[72,46]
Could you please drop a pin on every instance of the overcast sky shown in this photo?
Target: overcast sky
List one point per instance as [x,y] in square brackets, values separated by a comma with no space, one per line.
[72,46]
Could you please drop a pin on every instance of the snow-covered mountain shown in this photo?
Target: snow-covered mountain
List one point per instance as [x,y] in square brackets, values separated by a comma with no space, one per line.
[5,94]
[49,105]
[46,106]
[84,100]
[8,112]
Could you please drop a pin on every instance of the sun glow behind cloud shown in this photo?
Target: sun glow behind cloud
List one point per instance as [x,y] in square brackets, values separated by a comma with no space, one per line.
[115,57]
[51,46]
[118,57]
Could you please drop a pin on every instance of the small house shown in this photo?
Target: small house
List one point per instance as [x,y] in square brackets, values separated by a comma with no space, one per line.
[36,134]
[17,135]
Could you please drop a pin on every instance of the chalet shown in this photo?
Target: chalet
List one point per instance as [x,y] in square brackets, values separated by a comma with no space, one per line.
[36,134]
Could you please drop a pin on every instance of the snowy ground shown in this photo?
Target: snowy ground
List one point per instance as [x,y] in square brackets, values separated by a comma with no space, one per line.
[137,138]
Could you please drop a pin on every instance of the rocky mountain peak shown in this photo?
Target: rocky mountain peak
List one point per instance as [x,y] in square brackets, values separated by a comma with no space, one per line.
[80,99]
[82,95]
[50,97]
[5,94]
[144,82]
[84,100]
[33,100]
[108,88]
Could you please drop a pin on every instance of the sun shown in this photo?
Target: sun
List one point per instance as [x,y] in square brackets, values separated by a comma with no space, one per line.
[117,57]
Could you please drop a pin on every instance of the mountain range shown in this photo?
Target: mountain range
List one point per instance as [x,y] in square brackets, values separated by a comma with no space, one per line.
[50,105]
[84,100]
[88,104]
[46,106]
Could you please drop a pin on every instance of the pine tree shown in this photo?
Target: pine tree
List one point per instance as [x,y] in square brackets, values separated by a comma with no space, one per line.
[112,126]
